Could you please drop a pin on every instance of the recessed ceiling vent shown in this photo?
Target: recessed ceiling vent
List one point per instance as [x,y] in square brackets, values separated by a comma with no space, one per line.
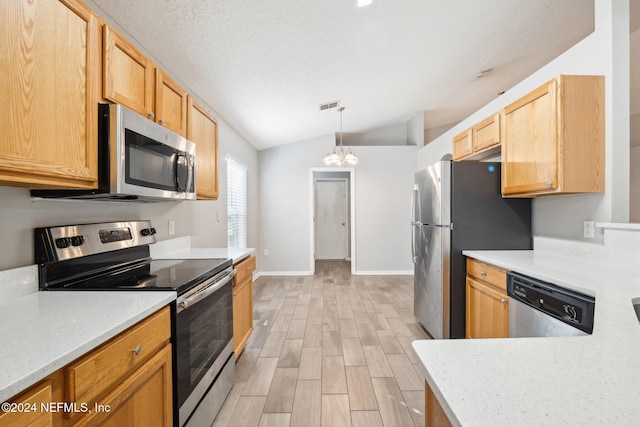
[329,105]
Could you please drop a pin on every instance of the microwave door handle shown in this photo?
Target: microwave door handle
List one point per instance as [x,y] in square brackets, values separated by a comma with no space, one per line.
[192,172]
[181,163]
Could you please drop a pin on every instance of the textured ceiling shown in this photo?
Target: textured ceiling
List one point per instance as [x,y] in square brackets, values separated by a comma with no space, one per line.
[266,65]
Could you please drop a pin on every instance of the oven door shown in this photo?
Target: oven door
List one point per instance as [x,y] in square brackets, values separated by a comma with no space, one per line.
[204,339]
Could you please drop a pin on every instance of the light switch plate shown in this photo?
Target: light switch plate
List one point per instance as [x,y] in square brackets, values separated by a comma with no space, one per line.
[172,228]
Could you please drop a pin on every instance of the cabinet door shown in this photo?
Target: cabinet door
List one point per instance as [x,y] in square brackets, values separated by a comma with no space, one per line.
[530,147]
[462,145]
[45,392]
[127,74]
[486,133]
[142,399]
[203,130]
[49,94]
[171,104]
[487,311]
[242,314]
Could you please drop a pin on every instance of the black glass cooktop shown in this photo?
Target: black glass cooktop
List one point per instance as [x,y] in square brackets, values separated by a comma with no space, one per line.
[179,275]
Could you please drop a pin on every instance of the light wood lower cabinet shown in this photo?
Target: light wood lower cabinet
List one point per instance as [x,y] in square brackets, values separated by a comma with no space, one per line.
[434,414]
[124,382]
[29,409]
[142,399]
[243,304]
[487,312]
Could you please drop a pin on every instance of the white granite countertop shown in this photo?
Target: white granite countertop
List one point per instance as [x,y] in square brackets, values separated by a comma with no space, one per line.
[180,248]
[43,331]
[588,381]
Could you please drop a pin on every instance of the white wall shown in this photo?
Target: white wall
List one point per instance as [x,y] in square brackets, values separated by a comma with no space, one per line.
[634,187]
[207,230]
[389,135]
[415,130]
[604,52]
[383,182]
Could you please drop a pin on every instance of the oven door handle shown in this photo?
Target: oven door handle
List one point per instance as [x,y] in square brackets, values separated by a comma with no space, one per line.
[186,302]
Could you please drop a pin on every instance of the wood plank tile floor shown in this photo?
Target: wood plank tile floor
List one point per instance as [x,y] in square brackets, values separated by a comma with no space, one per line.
[329,350]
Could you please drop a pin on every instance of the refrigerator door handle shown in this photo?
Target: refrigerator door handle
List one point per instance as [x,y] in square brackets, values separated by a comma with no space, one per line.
[414,224]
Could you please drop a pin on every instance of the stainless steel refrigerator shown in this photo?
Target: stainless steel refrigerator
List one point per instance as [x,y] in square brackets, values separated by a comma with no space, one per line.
[458,206]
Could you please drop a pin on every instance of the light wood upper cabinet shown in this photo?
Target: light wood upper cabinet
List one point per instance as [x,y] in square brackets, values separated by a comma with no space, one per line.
[553,139]
[486,134]
[480,142]
[462,145]
[487,313]
[128,76]
[49,93]
[131,79]
[203,130]
[171,104]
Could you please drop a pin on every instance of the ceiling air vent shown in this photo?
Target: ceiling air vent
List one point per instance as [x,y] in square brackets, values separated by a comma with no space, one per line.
[329,105]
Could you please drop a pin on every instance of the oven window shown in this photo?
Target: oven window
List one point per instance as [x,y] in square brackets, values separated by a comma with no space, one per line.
[203,330]
[149,163]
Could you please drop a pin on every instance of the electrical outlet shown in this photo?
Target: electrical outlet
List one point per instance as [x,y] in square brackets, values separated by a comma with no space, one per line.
[172,227]
[589,229]
[266,252]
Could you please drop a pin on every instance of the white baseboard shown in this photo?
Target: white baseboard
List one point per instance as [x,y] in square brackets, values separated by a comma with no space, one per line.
[384,273]
[281,273]
[258,274]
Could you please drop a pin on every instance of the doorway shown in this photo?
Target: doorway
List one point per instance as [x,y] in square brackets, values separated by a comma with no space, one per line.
[332,215]
[331,219]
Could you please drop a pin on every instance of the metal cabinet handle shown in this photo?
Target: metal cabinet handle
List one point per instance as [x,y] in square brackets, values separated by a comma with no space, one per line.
[161,121]
[235,294]
[137,350]
[548,183]
[483,274]
[151,115]
[502,300]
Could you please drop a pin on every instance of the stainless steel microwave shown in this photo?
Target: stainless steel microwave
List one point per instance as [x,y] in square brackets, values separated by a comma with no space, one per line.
[138,160]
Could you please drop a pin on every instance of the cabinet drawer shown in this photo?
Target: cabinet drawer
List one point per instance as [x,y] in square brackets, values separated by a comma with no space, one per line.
[487,273]
[244,269]
[104,368]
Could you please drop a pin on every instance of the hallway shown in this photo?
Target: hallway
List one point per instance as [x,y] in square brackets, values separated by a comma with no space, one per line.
[329,350]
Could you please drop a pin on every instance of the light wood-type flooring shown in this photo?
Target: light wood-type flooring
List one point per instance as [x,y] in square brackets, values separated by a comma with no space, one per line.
[329,350]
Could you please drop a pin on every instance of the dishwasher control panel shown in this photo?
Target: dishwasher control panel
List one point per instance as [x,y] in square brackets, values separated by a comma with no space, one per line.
[568,306]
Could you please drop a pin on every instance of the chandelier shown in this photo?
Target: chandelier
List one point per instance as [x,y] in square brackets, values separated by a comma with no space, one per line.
[339,156]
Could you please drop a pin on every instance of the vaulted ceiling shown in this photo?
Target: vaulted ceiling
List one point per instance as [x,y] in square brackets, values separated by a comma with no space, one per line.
[265,66]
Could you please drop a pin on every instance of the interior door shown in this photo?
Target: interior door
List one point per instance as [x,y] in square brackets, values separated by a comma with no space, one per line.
[331,219]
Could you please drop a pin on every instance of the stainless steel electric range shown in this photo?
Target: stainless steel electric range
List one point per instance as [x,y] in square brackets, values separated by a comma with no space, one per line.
[115,256]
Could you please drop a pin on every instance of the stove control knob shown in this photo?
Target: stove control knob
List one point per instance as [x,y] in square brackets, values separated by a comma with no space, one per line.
[183,305]
[62,243]
[145,231]
[570,312]
[152,230]
[77,240]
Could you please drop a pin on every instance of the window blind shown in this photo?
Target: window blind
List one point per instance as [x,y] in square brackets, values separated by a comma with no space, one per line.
[236,204]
